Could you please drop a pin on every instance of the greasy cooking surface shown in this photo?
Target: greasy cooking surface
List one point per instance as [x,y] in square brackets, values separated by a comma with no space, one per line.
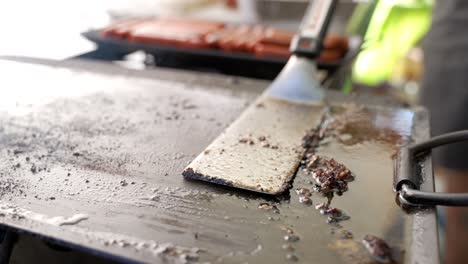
[107,153]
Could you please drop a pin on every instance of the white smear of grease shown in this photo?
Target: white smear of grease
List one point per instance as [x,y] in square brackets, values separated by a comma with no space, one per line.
[56,220]
[61,220]
[165,251]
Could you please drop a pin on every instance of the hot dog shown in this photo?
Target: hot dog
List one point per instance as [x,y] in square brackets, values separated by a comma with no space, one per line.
[271,50]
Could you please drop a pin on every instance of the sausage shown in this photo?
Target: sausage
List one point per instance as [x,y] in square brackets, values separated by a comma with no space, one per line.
[173,32]
[333,41]
[330,55]
[195,24]
[255,36]
[271,50]
[233,40]
[121,29]
[277,37]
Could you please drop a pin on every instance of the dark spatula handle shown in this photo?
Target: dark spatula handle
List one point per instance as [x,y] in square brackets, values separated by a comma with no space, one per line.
[308,41]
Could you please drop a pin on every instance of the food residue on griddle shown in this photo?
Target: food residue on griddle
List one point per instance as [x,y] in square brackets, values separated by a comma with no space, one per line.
[334,215]
[305,200]
[269,207]
[303,192]
[346,234]
[329,178]
[352,124]
[290,236]
[263,140]
[378,248]
[248,141]
[304,196]
[123,183]
[291,257]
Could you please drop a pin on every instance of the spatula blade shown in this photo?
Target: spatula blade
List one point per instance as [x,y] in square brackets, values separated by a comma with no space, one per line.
[261,150]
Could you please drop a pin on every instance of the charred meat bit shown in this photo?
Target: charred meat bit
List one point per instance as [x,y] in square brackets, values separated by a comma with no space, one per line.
[246,141]
[335,215]
[261,138]
[378,248]
[330,176]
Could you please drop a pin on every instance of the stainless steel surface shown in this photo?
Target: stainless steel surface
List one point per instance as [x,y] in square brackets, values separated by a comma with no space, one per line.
[134,132]
[261,150]
[297,82]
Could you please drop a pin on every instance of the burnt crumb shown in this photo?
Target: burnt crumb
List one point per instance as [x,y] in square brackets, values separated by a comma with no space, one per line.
[68,174]
[260,105]
[248,141]
[18,165]
[87,181]
[206,152]
[33,168]
[28,159]
[334,215]
[261,138]
[265,144]
[329,176]
[123,183]
[52,198]
[305,200]
[186,106]
[9,186]
[77,154]
[195,235]
[378,248]
[269,207]
[17,151]
[346,234]
[274,147]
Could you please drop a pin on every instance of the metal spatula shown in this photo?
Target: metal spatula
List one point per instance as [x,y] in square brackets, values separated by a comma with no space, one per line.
[261,150]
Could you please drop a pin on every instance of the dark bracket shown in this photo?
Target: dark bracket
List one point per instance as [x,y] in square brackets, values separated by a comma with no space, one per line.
[408,179]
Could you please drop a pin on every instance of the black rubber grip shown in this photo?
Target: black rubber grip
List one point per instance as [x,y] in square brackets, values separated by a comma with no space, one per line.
[308,41]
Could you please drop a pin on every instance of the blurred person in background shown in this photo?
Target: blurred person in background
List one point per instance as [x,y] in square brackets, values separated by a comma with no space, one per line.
[445,93]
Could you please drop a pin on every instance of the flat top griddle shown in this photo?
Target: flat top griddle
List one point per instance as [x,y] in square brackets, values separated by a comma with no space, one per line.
[104,149]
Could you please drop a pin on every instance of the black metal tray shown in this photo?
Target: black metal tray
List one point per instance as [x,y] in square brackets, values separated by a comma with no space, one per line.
[233,63]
